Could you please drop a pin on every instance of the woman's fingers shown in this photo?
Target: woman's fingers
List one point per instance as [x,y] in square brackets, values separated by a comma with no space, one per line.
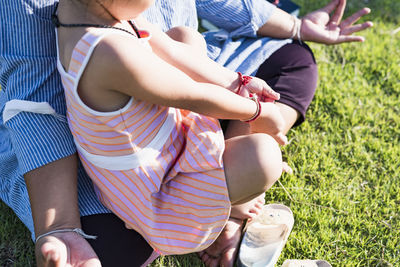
[331,6]
[356,28]
[65,250]
[346,34]
[355,17]
[51,253]
[337,16]
[349,38]
[50,256]
[93,262]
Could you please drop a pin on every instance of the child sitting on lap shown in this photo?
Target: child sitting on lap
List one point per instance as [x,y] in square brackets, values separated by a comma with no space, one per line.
[144,109]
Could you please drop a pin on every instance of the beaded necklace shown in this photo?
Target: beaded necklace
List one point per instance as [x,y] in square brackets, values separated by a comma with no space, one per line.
[57,23]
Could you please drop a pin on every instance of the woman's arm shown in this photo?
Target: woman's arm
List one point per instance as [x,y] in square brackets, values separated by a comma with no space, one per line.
[241,18]
[318,26]
[54,202]
[53,195]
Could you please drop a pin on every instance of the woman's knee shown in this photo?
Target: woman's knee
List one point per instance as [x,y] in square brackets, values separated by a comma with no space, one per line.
[188,36]
[292,71]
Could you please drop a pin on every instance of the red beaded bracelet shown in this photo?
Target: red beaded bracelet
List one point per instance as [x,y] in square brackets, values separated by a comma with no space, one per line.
[258,111]
[244,79]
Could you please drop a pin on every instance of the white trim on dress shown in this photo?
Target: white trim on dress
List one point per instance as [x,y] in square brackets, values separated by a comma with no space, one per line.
[147,156]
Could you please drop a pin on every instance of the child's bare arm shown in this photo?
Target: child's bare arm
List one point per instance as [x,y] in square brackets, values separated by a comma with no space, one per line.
[188,59]
[122,64]
[198,66]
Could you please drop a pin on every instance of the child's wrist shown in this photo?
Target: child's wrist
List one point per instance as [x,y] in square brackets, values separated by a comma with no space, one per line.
[243,80]
[235,84]
[258,110]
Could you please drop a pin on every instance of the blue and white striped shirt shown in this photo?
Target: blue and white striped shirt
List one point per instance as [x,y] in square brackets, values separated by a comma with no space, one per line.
[28,72]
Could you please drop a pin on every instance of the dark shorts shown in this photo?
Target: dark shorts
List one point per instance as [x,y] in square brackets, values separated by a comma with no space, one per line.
[115,244]
[292,72]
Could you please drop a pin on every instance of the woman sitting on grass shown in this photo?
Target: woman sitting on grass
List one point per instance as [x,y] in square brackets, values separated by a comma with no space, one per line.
[38,151]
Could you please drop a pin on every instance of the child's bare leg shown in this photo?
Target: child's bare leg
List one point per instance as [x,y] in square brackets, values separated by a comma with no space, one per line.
[250,209]
[226,245]
[236,128]
[253,163]
[188,36]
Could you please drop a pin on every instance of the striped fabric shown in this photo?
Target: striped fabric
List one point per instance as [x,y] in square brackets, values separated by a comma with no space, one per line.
[28,72]
[167,180]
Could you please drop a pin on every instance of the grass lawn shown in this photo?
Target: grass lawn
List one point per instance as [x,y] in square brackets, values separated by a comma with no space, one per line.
[345,190]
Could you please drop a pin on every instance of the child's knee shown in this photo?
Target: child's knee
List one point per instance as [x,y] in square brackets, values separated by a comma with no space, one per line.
[269,159]
[189,36]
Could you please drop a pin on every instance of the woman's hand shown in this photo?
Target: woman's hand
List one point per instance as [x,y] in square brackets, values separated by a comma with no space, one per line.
[260,88]
[320,27]
[270,122]
[65,250]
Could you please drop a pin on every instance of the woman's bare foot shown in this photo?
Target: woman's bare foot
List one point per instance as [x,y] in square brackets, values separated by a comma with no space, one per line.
[224,250]
[249,209]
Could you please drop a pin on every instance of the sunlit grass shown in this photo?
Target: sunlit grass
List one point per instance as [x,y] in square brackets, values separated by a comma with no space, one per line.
[345,190]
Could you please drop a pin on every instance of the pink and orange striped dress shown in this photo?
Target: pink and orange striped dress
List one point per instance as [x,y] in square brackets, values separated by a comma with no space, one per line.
[158,168]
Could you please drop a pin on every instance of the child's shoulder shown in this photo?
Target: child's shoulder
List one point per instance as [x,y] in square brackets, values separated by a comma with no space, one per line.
[113,63]
[111,42]
[113,50]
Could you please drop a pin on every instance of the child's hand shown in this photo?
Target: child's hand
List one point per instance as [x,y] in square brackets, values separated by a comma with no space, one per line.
[260,88]
[270,122]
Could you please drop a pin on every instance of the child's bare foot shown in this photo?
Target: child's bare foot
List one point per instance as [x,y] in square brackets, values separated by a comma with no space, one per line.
[224,250]
[249,209]
[286,168]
